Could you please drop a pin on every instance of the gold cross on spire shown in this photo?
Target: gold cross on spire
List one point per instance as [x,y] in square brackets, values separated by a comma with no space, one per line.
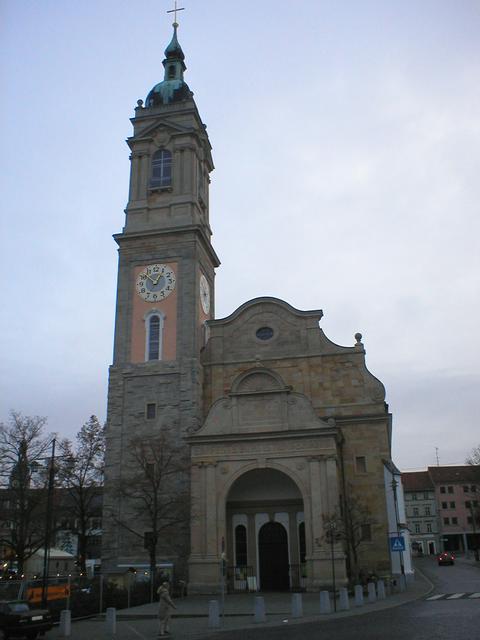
[175,23]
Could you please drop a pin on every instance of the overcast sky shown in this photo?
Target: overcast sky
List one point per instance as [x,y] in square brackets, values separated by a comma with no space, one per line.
[346,139]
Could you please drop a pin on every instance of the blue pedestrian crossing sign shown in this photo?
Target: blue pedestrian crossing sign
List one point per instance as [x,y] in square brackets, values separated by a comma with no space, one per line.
[397,544]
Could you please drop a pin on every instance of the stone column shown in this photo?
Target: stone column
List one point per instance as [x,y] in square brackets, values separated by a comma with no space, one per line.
[317,506]
[212,548]
[197,509]
[144,162]
[332,485]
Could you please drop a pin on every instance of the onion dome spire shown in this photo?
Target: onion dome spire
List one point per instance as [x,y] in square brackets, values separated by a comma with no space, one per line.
[173,88]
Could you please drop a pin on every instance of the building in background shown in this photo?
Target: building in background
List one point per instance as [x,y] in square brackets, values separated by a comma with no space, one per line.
[443,508]
[421,512]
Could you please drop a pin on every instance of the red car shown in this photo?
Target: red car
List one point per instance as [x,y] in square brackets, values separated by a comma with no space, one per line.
[446,558]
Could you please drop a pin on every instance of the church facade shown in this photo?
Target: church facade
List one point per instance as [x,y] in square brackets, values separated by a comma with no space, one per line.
[283,435]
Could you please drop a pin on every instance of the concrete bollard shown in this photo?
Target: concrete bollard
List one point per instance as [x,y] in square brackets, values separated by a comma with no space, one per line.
[259,610]
[297,605]
[325,606]
[344,604]
[381,595]
[111,620]
[213,614]
[65,623]
[358,595]
[372,594]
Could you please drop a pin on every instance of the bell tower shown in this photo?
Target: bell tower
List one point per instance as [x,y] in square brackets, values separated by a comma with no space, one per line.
[165,291]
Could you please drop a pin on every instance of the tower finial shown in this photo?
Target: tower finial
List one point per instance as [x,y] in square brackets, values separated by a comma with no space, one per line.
[174,11]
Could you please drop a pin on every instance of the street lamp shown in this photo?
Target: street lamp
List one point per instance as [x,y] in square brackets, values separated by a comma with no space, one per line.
[397,518]
[331,528]
[48,525]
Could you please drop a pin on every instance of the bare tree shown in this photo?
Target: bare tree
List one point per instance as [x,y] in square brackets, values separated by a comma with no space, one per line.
[23,448]
[155,488]
[81,475]
[474,457]
[352,526]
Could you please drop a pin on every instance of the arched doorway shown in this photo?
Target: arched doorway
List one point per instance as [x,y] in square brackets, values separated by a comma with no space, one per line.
[265,547]
[273,557]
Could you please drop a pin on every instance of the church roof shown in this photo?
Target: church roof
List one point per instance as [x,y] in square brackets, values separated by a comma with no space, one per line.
[173,87]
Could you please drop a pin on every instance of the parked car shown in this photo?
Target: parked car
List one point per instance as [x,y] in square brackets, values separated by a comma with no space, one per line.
[446,558]
[18,620]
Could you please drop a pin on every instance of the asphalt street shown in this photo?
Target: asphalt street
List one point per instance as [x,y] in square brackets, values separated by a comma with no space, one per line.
[450,611]
[427,619]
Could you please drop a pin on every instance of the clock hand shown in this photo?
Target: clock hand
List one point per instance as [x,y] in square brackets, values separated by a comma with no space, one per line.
[147,276]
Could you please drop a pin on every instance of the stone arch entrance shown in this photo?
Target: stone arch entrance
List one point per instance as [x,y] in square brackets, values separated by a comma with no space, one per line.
[264,511]
[273,557]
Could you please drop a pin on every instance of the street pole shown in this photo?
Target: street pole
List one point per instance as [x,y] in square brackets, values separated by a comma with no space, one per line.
[48,526]
[397,518]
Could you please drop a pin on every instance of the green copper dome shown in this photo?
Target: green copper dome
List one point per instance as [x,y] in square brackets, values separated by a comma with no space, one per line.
[173,88]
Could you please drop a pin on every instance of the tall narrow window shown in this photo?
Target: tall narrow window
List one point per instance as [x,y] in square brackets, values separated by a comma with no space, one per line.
[241,545]
[153,335]
[301,542]
[161,169]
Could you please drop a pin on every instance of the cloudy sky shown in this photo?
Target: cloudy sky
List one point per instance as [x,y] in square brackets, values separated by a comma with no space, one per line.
[346,138]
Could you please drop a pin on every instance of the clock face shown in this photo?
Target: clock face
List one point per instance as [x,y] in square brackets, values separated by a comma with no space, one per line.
[155,282]
[204,294]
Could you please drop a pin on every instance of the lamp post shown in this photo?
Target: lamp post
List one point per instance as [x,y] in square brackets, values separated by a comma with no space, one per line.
[397,519]
[48,525]
[331,527]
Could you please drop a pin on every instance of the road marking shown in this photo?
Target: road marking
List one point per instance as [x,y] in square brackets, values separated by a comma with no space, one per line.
[437,597]
[137,632]
[474,595]
[456,596]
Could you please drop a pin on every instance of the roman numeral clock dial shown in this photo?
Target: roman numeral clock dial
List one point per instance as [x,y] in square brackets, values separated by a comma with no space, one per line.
[156,282]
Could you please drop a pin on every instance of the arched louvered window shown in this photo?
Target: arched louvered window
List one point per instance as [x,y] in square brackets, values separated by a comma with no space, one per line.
[240,545]
[154,336]
[161,169]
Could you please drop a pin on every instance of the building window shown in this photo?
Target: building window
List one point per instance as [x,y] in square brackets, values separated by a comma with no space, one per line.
[425,495]
[301,542]
[414,496]
[415,511]
[417,527]
[427,511]
[470,520]
[442,490]
[473,488]
[151,411]
[241,545]
[450,489]
[366,532]
[454,520]
[161,169]
[446,521]
[444,505]
[429,527]
[154,336]
[361,464]
[452,505]
[467,504]
[465,489]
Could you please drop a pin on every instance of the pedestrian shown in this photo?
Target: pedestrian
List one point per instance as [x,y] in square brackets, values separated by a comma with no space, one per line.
[165,608]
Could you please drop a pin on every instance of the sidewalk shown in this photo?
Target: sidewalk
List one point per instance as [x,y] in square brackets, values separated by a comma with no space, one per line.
[190,621]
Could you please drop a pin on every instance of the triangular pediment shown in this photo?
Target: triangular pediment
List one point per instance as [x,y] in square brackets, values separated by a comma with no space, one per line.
[161,125]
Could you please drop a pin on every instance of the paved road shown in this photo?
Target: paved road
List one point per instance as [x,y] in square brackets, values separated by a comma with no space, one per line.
[427,619]
[449,612]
